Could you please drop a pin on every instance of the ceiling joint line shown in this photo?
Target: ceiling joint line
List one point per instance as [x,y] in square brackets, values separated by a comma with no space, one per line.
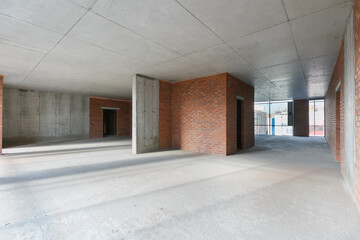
[296,48]
[46,54]
[256,69]
[22,46]
[108,50]
[199,20]
[141,35]
[30,23]
[323,9]
[251,33]
[80,5]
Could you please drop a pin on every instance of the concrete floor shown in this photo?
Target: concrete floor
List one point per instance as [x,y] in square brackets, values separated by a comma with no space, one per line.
[284,188]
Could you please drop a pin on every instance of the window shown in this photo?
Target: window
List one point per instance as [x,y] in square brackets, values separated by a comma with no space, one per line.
[261,118]
[316,117]
[273,118]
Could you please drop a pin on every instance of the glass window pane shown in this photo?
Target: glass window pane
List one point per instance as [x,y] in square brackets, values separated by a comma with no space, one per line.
[283,130]
[261,130]
[319,118]
[316,118]
[279,114]
[261,112]
[274,122]
[311,118]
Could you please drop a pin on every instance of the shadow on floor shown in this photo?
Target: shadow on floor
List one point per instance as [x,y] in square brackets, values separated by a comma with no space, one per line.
[67,151]
[32,142]
[88,168]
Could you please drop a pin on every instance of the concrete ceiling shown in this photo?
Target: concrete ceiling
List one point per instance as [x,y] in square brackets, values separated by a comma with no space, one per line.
[285,48]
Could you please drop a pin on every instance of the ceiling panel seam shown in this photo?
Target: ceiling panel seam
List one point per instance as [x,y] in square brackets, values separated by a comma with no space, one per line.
[157,64]
[105,49]
[46,54]
[320,10]
[21,46]
[141,35]
[221,39]
[81,5]
[199,20]
[296,48]
[288,19]
[30,23]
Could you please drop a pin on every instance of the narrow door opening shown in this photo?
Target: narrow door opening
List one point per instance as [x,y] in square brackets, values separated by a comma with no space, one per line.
[238,124]
[109,122]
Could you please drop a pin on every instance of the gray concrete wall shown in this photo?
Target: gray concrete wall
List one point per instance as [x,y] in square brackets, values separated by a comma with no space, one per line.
[33,115]
[145,107]
[349,105]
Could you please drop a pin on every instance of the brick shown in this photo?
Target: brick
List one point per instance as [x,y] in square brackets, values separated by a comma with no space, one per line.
[334,110]
[334,107]
[200,114]
[96,116]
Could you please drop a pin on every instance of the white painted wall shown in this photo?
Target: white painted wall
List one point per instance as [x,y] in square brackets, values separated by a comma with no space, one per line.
[33,115]
[349,107]
[145,115]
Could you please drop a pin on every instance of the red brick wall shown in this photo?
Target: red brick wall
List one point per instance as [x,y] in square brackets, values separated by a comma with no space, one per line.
[96,116]
[340,144]
[334,108]
[165,135]
[204,117]
[199,114]
[357,100]
[301,118]
[237,88]
[337,123]
[130,118]
[1,111]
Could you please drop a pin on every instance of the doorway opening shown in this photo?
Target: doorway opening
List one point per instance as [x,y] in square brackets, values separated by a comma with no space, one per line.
[109,122]
[238,135]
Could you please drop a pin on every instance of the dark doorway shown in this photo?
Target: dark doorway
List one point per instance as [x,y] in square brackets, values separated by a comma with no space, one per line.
[238,123]
[109,122]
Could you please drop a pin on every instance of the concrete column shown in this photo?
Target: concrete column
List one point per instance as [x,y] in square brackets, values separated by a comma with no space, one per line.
[349,105]
[301,118]
[1,111]
[145,114]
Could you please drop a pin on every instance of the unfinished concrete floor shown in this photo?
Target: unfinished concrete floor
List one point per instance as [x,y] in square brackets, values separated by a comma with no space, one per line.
[284,188]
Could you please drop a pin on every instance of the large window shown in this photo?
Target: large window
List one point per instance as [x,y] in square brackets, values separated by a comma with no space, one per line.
[273,118]
[261,118]
[316,117]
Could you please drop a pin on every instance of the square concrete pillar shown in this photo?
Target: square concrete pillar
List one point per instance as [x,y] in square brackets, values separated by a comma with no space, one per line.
[145,114]
[349,106]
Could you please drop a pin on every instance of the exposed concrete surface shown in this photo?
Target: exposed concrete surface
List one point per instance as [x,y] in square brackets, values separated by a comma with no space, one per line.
[145,114]
[284,188]
[349,105]
[32,115]
[285,48]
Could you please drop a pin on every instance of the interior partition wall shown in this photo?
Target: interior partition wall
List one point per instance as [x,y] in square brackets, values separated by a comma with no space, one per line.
[274,118]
